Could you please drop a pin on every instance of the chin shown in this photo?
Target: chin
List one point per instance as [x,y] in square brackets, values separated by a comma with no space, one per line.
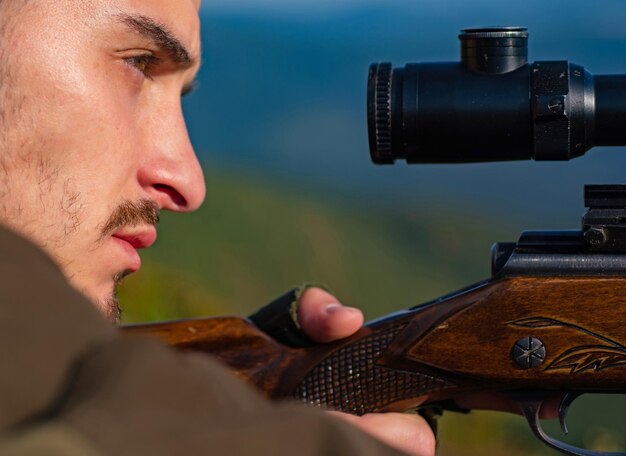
[107,304]
[103,294]
[111,309]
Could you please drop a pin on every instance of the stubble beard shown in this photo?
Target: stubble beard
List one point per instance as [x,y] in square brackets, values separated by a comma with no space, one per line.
[112,310]
[110,306]
[125,214]
[13,154]
[128,213]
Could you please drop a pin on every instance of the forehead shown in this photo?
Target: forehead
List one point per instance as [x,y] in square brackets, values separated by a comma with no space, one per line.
[171,12]
[178,16]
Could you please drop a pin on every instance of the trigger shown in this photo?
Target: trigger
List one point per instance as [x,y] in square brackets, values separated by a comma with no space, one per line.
[567,400]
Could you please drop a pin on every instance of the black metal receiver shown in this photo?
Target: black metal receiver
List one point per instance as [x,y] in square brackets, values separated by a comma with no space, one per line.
[595,250]
[495,106]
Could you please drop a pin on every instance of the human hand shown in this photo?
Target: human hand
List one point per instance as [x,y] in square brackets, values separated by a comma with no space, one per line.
[406,432]
[323,319]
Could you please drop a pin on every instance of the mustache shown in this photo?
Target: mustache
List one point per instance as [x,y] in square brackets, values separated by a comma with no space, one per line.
[129,213]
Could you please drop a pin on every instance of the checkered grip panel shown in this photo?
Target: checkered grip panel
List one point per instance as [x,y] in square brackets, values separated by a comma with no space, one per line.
[350,381]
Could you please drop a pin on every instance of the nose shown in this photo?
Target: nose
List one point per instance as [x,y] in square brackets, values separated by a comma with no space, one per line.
[170,172]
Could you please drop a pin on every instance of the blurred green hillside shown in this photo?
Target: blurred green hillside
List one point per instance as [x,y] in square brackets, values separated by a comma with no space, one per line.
[255,238]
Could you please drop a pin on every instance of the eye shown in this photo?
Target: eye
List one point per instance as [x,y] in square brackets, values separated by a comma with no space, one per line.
[143,63]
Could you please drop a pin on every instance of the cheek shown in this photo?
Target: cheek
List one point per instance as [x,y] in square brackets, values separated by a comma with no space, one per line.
[77,158]
[78,115]
[88,126]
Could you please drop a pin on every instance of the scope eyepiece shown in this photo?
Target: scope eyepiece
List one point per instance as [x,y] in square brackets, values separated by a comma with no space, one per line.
[492,105]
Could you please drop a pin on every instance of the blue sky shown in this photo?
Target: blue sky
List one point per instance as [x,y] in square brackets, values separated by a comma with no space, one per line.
[277,5]
[601,17]
[309,62]
[300,5]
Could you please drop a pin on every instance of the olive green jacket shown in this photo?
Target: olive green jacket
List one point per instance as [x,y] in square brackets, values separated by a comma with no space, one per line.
[72,385]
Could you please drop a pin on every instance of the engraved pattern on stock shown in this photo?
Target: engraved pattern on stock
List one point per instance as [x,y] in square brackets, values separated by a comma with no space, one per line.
[350,381]
[591,357]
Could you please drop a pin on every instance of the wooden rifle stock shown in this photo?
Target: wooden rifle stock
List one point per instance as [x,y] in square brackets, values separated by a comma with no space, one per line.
[527,334]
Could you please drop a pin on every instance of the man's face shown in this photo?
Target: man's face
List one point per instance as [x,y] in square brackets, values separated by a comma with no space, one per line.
[92,138]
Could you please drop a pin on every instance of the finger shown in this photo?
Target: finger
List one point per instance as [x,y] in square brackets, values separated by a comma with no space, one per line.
[407,433]
[550,408]
[323,319]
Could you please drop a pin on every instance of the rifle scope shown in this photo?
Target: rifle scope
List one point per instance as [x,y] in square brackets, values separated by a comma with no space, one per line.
[492,105]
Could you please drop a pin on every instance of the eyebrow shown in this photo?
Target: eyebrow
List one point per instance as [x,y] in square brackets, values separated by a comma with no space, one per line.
[160,35]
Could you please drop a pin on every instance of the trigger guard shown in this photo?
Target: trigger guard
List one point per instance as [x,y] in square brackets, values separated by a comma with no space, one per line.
[566,402]
[531,406]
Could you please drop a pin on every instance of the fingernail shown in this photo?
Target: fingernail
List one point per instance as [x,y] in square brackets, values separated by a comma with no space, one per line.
[336,307]
[333,308]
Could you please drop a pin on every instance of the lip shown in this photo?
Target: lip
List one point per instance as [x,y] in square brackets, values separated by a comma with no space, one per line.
[138,239]
[131,240]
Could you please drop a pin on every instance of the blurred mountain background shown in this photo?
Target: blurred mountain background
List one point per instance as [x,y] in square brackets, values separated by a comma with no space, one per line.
[283,86]
[278,122]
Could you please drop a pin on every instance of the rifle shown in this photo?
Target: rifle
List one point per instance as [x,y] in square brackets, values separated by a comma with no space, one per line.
[549,320]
